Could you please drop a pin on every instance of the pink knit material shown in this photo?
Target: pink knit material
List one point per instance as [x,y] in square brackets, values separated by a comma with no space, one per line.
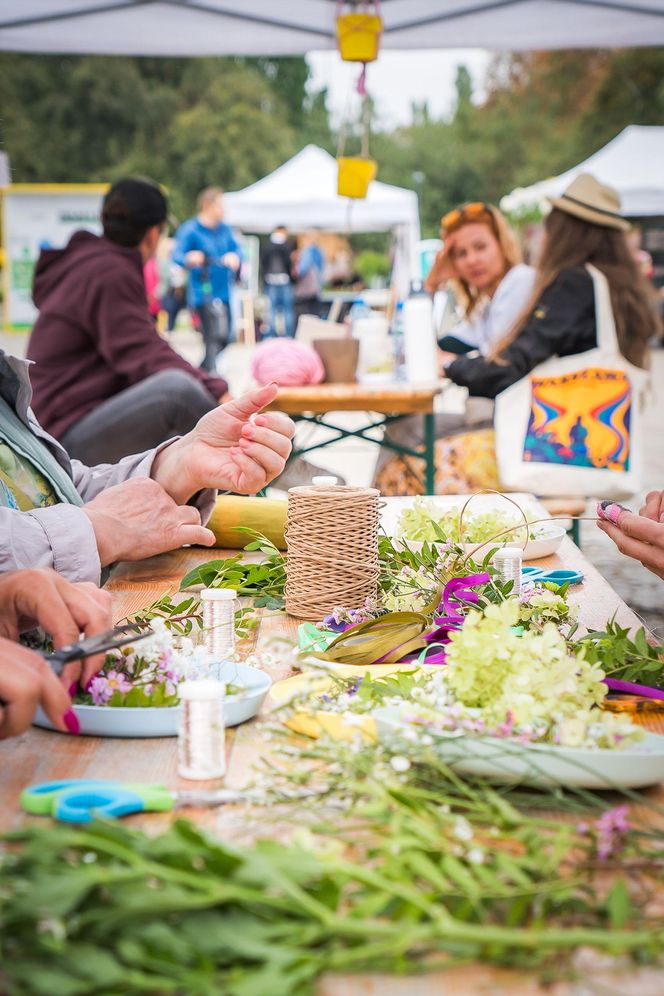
[288,363]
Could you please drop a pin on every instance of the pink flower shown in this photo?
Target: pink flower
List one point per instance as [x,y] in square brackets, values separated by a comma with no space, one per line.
[99,690]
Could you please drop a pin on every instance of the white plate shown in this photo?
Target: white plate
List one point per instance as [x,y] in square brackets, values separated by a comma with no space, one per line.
[123,721]
[537,764]
[543,546]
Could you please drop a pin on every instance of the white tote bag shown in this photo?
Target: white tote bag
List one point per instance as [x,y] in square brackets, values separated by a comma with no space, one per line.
[573,425]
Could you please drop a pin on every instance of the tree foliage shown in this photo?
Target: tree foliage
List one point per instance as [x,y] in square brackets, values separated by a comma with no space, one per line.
[193,122]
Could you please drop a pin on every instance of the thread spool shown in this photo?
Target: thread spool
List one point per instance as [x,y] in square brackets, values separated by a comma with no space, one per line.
[332,540]
[508,563]
[218,606]
[201,735]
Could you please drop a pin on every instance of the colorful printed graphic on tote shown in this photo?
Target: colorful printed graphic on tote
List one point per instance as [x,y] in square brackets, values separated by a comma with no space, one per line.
[581,419]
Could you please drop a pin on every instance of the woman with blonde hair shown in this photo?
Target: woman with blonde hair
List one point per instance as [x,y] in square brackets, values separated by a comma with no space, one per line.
[481,264]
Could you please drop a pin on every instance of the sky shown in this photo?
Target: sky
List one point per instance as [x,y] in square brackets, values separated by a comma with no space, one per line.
[397,79]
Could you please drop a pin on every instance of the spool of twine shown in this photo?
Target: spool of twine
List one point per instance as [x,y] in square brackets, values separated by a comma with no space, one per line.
[332,540]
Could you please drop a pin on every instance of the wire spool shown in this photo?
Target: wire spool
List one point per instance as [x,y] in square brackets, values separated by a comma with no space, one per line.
[218,606]
[509,563]
[332,541]
[201,735]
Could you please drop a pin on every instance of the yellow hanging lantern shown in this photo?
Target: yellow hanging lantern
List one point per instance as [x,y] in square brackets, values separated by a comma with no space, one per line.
[355,175]
[358,33]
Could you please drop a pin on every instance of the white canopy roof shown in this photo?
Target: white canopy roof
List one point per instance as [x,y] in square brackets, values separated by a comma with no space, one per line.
[303,194]
[292,27]
[631,163]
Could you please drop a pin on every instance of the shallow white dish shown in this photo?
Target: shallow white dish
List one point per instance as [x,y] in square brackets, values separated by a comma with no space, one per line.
[547,541]
[102,721]
[537,764]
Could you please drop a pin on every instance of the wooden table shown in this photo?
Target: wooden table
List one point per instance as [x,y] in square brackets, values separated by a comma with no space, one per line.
[382,405]
[40,756]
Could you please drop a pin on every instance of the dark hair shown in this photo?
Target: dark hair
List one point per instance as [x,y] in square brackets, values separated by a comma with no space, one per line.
[572,242]
[130,208]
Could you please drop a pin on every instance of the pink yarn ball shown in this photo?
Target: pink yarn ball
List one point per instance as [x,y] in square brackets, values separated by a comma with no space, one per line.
[287,362]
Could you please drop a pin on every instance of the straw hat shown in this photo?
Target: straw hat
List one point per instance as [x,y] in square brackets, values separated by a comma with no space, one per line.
[588,199]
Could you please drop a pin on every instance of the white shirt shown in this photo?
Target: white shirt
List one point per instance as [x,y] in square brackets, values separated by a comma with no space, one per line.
[488,324]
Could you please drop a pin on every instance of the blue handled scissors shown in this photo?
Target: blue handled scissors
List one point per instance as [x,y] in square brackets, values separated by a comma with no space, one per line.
[83,800]
[559,576]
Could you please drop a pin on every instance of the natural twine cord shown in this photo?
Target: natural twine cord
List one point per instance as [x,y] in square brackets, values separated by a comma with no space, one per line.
[332,540]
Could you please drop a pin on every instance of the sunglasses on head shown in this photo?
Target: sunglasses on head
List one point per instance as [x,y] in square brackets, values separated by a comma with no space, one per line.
[469,212]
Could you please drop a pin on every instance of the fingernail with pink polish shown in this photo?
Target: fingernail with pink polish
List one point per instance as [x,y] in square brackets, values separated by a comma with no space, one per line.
[610,510]
[70,720]
[73,688]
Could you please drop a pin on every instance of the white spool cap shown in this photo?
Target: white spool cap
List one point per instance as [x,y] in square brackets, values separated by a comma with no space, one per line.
[218,594]
[322,481]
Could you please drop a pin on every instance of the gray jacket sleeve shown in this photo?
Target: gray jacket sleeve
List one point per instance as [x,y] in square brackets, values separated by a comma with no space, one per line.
[90,481]
[61,536]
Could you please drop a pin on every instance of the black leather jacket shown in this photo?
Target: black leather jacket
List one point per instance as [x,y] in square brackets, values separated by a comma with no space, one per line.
[562,323]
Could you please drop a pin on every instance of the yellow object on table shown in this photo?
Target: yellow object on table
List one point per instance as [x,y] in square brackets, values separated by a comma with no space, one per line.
[336,725]
[264,515]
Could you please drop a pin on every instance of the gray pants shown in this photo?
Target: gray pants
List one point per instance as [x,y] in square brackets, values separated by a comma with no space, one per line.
[167,404]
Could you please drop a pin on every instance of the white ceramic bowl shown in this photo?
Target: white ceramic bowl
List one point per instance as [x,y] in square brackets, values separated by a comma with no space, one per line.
[509,761]
[100,721]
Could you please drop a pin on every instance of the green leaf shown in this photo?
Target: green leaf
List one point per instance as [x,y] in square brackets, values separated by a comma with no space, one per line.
[618,904]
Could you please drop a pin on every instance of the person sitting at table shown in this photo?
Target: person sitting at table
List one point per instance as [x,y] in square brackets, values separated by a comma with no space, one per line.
[59,513]
[481,263]
[638,536]
[105,383]
[42,598]
[584,226]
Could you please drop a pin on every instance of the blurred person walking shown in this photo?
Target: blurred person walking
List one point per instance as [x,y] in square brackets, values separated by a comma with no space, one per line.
[278,280]
[309,268]
[206,247]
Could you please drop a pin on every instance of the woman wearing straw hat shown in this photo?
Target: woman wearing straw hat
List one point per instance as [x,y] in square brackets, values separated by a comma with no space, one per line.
[584,226]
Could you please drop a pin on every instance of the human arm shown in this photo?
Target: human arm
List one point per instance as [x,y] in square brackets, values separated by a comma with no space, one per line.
[562,323]
[39,597]
[185,253]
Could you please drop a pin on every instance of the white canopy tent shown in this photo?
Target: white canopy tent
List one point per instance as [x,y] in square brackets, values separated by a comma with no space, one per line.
[631,163]
[302,193]
[292,27]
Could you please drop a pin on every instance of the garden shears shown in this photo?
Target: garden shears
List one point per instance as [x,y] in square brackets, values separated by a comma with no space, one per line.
[119,636]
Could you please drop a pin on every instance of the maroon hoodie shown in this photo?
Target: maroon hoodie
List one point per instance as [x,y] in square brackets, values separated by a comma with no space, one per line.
[94,336]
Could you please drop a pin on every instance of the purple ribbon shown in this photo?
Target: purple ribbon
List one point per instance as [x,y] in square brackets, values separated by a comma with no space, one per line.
[457,592]
[628,686]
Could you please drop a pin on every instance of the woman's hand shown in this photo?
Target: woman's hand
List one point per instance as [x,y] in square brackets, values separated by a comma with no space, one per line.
[27,681]
[40,597]
[235,447]
[441,271]
[640,536]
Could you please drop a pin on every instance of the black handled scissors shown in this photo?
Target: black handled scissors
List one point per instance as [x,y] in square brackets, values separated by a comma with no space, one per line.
[119,636]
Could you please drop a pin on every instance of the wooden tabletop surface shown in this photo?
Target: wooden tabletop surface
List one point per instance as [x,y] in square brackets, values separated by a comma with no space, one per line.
[386,399]
[40,756]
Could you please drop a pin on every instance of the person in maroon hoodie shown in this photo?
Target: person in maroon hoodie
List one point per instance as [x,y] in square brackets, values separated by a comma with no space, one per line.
[105,384]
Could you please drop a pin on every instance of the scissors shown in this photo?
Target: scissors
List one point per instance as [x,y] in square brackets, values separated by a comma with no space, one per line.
[83,800]
[119,636]
[559,577]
